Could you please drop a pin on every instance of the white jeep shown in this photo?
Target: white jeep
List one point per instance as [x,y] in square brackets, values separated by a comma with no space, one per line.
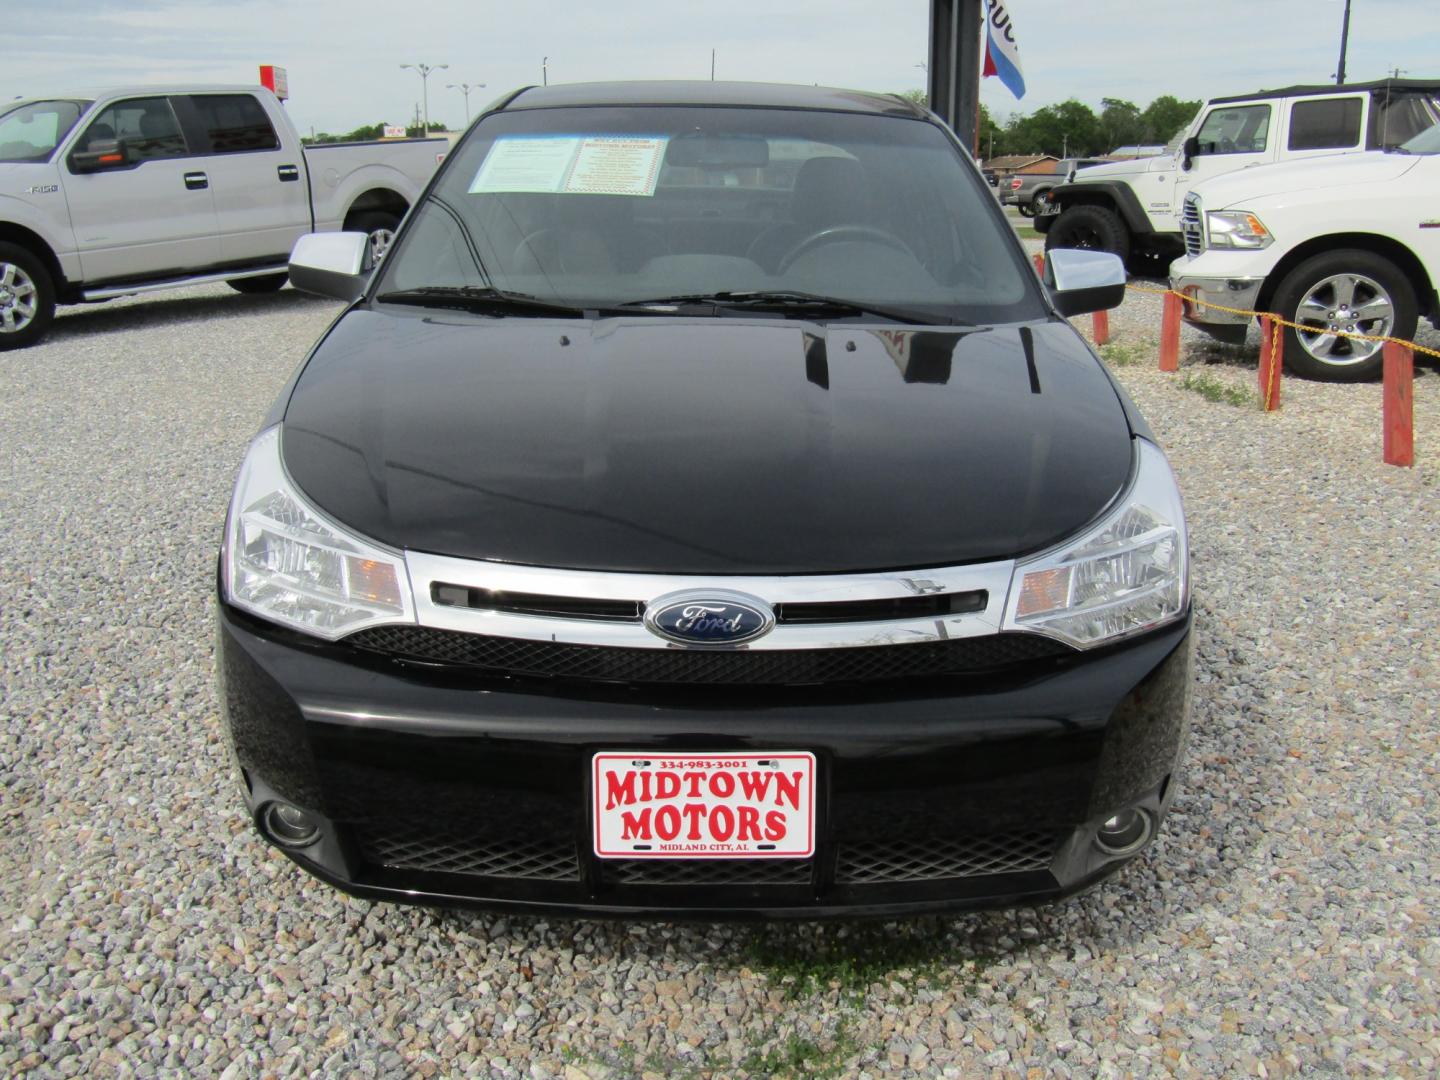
[1132,208]
[1344,243]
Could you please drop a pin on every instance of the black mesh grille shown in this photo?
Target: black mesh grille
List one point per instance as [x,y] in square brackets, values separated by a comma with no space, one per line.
[544,659]
[530,858]
[706,871]
[877,861]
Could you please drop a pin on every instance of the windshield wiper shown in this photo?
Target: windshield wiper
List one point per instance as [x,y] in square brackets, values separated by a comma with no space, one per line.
[801,303]
[478,298]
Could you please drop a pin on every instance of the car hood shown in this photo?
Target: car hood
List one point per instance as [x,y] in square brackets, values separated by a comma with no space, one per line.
[1114,170]
[1312,174]
[707,446]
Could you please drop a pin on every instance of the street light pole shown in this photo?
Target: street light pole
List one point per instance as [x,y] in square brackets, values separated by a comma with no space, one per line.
[425,70]
[1344,41]
[544,71]
[465,89]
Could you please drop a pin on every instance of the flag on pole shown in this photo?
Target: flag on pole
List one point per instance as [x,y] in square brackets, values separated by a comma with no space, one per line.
[1002,55]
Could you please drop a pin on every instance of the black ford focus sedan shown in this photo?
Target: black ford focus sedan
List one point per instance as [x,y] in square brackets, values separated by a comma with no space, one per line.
[705,509]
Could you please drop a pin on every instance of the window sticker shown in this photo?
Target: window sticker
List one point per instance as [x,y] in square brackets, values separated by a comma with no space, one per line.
[572,164]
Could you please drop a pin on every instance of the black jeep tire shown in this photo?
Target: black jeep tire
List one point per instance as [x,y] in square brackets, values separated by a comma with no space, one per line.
[1095,228]
[27,298]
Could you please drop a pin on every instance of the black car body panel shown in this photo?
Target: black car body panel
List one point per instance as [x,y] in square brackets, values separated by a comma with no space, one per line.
[705,445]
[444,772]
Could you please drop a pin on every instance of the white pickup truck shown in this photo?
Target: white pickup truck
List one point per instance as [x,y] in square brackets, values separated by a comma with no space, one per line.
[149,188]
[1343,243]
[1132,208]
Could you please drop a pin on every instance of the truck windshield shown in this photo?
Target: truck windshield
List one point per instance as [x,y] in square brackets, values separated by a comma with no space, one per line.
[1427,142]
[598,207]
[31,132]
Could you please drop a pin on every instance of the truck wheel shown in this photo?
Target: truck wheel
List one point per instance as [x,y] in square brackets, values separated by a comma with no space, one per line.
[268,283]
[1096,228]
[27,298]
[1030,208]
[1349,289]
[1026,209]
[380,226]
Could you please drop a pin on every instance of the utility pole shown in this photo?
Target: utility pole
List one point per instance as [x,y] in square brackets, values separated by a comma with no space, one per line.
[465,89]
[544,71]
[1344,43]
[712,65]
[425,70]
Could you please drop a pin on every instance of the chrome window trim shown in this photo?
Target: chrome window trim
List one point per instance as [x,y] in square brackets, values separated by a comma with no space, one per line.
[425,570]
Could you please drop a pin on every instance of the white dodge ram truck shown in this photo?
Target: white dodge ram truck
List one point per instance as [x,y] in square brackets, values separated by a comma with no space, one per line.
[149,188]
[1343,243]
[1132,208]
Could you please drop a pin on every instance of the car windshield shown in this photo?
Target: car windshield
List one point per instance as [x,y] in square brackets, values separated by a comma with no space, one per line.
[1427,142]
[32,131]
[599,207]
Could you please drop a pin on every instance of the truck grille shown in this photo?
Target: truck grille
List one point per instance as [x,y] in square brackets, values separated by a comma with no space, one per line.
[1191,225]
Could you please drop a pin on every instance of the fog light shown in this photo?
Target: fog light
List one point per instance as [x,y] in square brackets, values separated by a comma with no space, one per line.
[289,826]
[1125,833]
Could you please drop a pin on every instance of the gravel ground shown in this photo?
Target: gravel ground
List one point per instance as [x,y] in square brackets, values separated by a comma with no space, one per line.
[1284,924]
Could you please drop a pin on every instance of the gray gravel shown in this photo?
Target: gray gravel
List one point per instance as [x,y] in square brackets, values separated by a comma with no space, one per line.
[1284,924]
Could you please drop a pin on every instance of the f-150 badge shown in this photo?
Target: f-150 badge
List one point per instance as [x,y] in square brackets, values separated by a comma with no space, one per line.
[41,189]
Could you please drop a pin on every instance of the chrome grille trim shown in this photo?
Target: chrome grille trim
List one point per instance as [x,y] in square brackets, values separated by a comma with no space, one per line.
[426,570]
[1192,225]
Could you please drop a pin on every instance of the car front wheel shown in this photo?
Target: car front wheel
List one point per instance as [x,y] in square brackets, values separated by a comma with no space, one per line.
[1097,228]
[27,298]
[1346,291]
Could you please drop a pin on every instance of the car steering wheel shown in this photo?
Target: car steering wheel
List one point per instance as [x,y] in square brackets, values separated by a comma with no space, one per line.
[836,234]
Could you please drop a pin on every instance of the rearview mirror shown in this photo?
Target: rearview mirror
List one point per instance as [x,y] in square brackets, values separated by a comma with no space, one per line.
[718,151]
[100,155]
[336,264]
[1084,281]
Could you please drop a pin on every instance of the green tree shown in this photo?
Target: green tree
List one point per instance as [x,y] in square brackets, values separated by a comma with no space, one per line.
[1070,127]
[1167,116]
[1121,123]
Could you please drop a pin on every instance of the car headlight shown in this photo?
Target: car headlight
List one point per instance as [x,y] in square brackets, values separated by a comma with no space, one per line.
[1127,574]
[285,561]
[1236,229]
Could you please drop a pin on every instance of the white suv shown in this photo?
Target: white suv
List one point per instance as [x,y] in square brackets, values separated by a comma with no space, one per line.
[1341,243]
[1132,208]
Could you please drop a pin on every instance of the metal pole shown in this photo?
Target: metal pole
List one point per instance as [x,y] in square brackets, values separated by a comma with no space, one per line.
[544,71]
[954,65]
[712,65]
[1344,43]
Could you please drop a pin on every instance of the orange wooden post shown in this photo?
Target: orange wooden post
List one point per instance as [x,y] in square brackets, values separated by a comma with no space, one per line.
[1170,334]
[1399,405]
[1272,360]
[1040,263]
[1101,327]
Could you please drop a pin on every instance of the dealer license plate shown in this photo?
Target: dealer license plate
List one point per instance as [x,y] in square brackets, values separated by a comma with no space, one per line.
[699,806]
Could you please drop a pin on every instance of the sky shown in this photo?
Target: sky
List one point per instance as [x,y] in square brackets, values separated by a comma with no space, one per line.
[343,58]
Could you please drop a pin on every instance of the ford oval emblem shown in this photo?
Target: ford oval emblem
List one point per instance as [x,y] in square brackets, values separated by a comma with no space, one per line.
[709,617]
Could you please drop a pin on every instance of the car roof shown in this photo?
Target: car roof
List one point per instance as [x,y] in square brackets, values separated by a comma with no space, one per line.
[1331,88]
[707,93]
[94,93]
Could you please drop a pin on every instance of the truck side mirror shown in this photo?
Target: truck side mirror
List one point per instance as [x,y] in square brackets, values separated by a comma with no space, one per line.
[1084,281]
[336,264]
[1189,151]
[101,155]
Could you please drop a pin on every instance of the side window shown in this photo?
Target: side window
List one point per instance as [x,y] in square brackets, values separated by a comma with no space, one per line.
[1239,130]
[147,126]
[236,123]
[1328,124]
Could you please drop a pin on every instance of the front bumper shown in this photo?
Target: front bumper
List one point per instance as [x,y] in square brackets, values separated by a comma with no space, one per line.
[440,786]
[1201,293]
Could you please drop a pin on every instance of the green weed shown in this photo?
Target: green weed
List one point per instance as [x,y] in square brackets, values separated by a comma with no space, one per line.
[1213,389]
[797,1056]
[1117,355]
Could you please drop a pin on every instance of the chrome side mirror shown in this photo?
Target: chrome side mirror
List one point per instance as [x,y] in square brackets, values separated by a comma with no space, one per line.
[1083,281]
[336,264]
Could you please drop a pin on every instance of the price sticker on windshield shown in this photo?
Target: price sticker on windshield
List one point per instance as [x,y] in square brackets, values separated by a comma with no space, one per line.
[572,165]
